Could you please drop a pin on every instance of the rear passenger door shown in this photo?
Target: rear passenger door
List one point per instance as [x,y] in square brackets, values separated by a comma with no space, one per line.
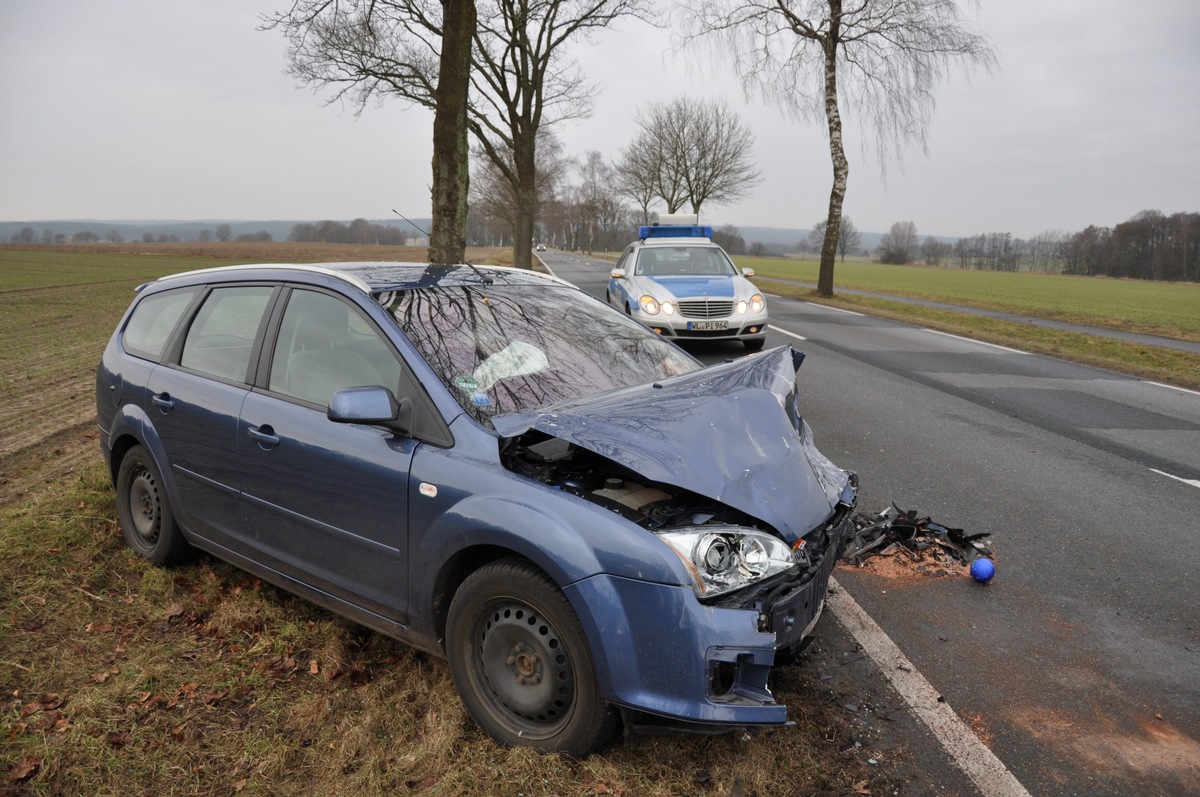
[327,503]
[194,401]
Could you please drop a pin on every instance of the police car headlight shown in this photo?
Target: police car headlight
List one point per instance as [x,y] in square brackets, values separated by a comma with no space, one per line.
[757,303]
[721,559]
[741,307]
[649,305]
[668,308]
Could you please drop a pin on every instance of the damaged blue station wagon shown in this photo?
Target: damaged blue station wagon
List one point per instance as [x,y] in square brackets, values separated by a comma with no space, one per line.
[492,466]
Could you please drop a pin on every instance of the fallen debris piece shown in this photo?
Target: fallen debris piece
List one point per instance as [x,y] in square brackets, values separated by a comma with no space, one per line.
[882,533]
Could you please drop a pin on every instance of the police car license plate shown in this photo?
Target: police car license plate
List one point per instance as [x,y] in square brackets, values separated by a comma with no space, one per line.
[705,326]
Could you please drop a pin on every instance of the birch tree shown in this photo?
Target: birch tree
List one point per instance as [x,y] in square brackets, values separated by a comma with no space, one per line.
[882,59]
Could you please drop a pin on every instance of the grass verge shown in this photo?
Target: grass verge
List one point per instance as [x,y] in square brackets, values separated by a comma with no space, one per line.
[117,677]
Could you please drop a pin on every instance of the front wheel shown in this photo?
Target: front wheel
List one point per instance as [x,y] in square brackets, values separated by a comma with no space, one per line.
[145,513]
[521,662]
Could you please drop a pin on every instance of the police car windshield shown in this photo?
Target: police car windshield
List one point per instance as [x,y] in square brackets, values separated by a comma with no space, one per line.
[664,261]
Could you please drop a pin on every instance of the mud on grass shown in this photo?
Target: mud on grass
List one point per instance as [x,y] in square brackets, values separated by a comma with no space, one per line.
[119,677]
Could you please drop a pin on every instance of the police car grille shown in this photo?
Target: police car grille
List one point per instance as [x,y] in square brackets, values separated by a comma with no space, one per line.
[706,308]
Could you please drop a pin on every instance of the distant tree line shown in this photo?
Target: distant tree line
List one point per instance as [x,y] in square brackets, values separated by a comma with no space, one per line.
[1149,246]
[28,235]
[359,231]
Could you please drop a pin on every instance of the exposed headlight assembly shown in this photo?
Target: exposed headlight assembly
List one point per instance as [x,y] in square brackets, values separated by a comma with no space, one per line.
[724,558]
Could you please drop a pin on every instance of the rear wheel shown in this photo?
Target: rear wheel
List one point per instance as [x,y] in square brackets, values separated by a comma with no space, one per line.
[522,664]
[145,513]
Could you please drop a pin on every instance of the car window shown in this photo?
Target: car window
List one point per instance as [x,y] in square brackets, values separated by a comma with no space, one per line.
[506,349]
[324,346]
[153,320]
[221,337]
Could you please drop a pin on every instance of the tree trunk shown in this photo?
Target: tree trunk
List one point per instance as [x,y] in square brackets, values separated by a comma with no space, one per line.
[451,173]
[841,168]
[525,165]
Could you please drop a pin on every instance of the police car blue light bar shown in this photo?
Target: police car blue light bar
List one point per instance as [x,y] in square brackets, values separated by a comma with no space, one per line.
[675,231]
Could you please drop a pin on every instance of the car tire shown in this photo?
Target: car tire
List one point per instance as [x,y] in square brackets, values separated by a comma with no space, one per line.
[628,312]
[754,344]
[521,662]
[144,511]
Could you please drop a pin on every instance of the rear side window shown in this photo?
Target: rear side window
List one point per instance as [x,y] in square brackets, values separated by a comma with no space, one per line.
[221,337]
[153,320]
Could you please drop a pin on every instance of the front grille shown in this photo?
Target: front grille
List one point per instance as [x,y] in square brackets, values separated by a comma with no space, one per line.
[706,308]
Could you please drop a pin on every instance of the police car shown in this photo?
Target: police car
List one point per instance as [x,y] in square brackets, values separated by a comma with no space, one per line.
[680,284]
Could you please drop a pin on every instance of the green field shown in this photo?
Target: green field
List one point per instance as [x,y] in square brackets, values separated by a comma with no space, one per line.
[1158,308]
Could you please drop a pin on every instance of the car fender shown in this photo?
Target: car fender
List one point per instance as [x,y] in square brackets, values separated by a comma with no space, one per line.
[131,421]
[569,544]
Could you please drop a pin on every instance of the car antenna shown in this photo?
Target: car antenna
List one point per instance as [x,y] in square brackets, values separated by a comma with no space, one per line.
[483,277]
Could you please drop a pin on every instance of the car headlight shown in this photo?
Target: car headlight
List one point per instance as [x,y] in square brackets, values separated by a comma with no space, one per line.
[649,304]
[741,306]
[724,558]
[757,303]
[668,308]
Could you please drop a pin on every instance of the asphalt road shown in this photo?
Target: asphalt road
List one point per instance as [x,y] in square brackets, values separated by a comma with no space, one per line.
[1079,664]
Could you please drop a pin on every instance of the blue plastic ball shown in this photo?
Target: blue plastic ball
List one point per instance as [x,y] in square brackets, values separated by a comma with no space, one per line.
[982,570]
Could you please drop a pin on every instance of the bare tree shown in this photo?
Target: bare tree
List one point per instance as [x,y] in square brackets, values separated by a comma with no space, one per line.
[658,152]
[224,232]
[885,57]
[412,49]
[849,238]
[495,195]
[688,152]
[635,175]
[520,77]
[899,244]
[934,251]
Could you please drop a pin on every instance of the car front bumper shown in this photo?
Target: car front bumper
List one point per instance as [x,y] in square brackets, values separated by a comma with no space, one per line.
[660,652]
[737,327]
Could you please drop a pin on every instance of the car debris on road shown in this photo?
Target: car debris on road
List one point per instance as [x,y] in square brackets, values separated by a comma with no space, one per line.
[894,530]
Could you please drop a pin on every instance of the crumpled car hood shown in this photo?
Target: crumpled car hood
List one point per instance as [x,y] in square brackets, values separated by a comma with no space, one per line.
[725,432]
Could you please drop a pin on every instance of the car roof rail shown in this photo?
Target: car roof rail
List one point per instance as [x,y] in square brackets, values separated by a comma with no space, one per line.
[328,272]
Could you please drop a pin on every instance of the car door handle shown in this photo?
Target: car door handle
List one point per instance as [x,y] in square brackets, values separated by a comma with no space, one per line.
[163,401]
[265,435]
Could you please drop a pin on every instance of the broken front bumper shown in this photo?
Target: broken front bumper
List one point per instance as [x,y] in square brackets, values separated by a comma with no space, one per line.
[659,651]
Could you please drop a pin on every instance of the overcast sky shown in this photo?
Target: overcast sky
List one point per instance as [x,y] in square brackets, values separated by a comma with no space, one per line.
[144,109]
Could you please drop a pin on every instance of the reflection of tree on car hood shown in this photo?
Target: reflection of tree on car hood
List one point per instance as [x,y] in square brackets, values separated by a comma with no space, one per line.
[728,433]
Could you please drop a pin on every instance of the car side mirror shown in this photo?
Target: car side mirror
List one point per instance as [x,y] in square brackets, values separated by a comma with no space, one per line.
[747,272]
[372,405]
[617,274]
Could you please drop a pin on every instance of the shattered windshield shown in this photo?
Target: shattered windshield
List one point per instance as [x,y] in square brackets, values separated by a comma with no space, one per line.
[502,349]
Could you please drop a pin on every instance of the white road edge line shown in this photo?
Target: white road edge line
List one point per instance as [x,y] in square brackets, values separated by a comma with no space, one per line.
[785,332]
[980,764]
[972,340]
[1193,482]
[835,309]
[1172,387]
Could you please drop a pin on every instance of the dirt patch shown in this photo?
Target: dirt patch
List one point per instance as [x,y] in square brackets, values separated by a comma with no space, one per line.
[898,563]
[1152,747]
